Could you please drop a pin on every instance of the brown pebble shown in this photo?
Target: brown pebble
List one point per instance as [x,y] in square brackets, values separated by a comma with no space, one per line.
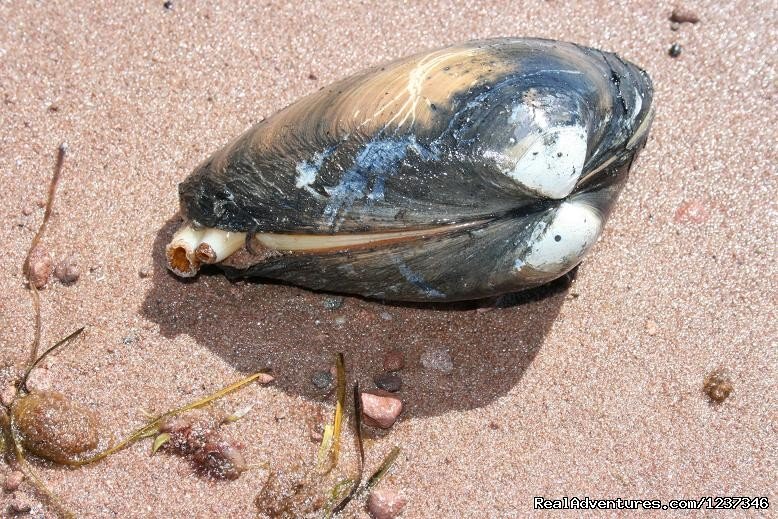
[67,271]
[388,382]
[380,408]
[691,211]
[651,328]
[13,480]
[717,386]
[40,268]
[312,76]
[27,210]
[385,503]
[7,395]
[145,272]
[394,360]
[684,15]
[220,460]
[20,503]
[54,427]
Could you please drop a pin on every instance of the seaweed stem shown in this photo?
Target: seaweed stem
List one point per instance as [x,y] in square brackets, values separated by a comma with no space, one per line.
[152,427]
[36,302]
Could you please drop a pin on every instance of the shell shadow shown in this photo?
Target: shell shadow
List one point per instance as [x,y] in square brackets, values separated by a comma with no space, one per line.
[254,325]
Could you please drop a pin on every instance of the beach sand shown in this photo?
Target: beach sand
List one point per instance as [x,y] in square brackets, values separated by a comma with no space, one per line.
[592,387]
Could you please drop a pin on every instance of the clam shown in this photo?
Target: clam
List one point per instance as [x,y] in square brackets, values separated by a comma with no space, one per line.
[459,173]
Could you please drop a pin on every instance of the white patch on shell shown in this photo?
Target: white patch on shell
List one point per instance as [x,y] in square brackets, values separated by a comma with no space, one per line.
[564,241]
[307,171]
[553,161]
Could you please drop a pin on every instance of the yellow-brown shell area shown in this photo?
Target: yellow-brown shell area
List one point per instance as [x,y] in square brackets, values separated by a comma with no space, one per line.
[467,158]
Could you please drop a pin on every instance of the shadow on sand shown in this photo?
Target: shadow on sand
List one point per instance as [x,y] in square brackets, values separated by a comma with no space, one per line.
[255,325]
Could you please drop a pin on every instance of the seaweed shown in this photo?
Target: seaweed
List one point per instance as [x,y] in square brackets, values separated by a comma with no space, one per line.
[29,405]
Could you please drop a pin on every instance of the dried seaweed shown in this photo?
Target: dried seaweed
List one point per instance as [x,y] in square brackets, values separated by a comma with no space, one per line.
[360,446]
[36,300]
[152,427]
[159,441]
[23,384]
[330,442]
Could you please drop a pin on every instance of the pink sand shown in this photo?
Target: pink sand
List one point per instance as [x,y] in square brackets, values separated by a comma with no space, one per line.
[594,391]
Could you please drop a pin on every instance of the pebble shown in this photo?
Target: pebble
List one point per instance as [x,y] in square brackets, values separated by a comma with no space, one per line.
[691,211]
[40,268]
[322,379]
[8,394]
[380,408]
[651,328]
[717,386]
[145,272]
[27,210]
[388,382]
[675,50]
[394,360]
[13,480]
[385,503]
[333,303]
[684,15]
[386,316]
[67,271]
[20,504]
[439,360]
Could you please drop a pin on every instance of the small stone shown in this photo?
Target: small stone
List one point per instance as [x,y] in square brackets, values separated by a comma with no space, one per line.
[394,360]
[145,272]
[438,359]
[675,26]
[333,303]
[322,379]
[20,503]
[67,271]
[40,268]
[8,395]
[312,76]
[717,386]
[651,328]
[27,210]
[13,480]
[168,5]
[380,408]
[388,382]
[385,503]
[691,211]
[684,15]
[386,316]
[265,378]
[675,50]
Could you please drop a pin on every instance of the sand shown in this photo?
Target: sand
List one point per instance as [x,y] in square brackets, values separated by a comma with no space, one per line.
[589,388]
